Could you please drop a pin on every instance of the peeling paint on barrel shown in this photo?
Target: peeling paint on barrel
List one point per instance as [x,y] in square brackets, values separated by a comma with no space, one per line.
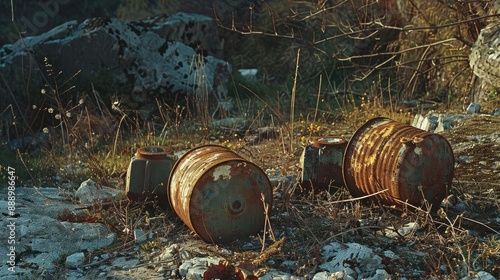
[410,164]
[218,194]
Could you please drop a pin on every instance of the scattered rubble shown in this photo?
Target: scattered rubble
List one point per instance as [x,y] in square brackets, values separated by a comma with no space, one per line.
[439,122]
[42,241]
[56,237]
[350,258]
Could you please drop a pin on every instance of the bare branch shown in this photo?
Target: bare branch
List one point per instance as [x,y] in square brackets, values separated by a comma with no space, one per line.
[396,52]
[403,29]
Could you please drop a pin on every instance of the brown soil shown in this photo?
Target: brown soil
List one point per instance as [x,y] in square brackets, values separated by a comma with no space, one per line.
[462,236]
[471,219]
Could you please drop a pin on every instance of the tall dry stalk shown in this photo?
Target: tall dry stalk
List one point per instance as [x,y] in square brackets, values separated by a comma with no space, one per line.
[292,103]
[318,97]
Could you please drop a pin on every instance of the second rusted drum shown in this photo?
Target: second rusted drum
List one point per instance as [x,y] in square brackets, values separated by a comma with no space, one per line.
[219,195]
[410,164]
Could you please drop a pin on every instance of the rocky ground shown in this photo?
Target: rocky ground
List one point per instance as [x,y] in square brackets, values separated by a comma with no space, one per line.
[62,233]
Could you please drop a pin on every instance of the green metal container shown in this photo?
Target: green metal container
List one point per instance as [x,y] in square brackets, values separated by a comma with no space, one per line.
[148,172]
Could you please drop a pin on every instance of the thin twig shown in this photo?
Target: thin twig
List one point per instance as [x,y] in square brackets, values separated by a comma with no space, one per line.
[476,183]
[482,224]
[356,198]
[292,103]
[147,264]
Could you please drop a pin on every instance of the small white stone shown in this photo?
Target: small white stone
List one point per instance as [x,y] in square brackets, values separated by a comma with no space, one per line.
[226,251]
[391,254]
[139,235]
[321,276]
[185,255]
[183,269]
[473,108]
[380,274]
[196,272]
[89,193]
[342,275]
[76,260]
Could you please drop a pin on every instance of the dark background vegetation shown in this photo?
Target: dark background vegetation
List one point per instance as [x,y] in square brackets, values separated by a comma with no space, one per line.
[422,46]
[353,55]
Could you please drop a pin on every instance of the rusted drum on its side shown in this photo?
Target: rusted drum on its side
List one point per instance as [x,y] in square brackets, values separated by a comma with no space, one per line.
[321,164]
[412,164]
[218,194]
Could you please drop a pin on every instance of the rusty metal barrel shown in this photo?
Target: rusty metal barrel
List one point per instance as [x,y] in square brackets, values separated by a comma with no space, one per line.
[219,195]
[148,173]
[321,164]
[410,164]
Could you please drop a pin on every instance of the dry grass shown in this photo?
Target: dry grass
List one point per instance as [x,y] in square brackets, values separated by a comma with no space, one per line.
[447,244]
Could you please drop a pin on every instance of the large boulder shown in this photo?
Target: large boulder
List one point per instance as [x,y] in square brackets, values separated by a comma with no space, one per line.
[161,56]
[484,58]
[485,61]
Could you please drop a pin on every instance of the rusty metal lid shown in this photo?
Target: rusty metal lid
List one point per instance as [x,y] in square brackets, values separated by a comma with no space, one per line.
[231,206]
[327,141]
[154,152]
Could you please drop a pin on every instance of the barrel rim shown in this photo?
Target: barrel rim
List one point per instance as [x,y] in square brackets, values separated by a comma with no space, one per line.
[448,184]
